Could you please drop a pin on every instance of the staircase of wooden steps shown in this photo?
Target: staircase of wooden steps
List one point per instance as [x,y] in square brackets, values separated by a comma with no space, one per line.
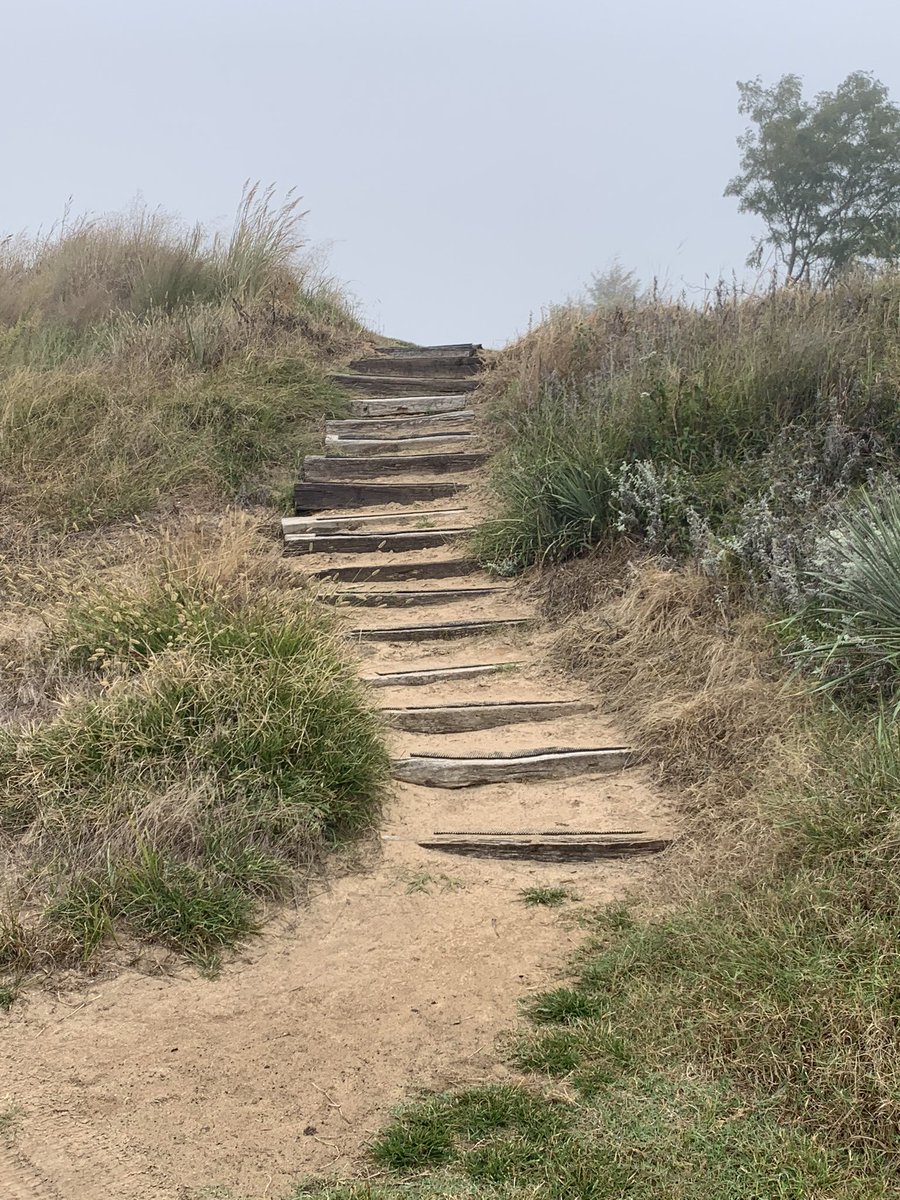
[381,531]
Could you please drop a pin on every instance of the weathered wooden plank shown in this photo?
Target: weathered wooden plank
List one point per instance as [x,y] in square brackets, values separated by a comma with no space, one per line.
[412,598]
[464,718]
[472,349]
[456,366]
[381,542]
[389,427]
[400,406]
[451,629]
[418,518]
[437,771]
[577,850]
[314,497]
[388,572]
[404,385]
[436,674]
[318,468]
[441,443]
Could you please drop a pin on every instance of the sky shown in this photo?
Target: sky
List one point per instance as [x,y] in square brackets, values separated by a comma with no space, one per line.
[465,162]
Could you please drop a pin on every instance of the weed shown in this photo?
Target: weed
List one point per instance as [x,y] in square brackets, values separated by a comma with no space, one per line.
[549,897]
[425,881]
[10,1115]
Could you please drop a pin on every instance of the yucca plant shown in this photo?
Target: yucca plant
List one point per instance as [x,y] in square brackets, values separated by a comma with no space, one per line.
[856,617]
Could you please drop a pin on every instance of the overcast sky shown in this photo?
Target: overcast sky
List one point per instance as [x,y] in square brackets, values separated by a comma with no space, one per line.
[467,160]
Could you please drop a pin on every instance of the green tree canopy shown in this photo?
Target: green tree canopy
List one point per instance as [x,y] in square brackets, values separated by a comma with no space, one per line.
[824,174]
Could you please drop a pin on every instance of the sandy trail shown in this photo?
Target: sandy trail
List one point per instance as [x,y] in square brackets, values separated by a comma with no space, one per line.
[397,977]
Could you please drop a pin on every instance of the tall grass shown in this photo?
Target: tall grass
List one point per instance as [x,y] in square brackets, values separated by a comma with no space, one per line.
[208,742]
[714,429]
[143,360]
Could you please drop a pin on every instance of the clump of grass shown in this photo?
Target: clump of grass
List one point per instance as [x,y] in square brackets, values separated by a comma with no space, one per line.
[692,1138]
[176,904]
[722,430]
[214,745]
[548,897]
[142,361]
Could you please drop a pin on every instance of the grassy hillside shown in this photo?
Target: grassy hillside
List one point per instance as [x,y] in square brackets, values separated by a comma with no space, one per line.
[173,712]
[723,480]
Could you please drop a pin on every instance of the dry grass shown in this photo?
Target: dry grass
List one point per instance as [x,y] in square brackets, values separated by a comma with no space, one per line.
[174,716]
[176,745]
[142,361]
[692,674]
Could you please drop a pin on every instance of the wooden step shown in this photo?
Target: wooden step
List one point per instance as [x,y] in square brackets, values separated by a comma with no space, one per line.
[410,406]
[433,770]
[554,850]
[390,427]
[413,598]
[449,629]
[465,718]
[453,366]
[440,443]
[418,518]
[314,497]
[384,541]
[388,572]
[404,385]
[437,674]
[317,468]
[470,349]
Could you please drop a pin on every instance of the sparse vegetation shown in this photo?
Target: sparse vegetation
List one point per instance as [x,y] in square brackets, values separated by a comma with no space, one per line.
[548,897]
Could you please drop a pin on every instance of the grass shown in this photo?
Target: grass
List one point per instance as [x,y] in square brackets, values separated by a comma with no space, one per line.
[724,430]
[735,1033]
[202,758]
[548,897]
[142,360]
[181,737]
[741,1041]
[424,881]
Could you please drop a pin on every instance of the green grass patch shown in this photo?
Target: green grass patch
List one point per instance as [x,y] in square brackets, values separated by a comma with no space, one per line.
[216,743]
[548,897]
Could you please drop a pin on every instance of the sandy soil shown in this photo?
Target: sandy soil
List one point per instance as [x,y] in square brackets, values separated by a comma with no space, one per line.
[398,977]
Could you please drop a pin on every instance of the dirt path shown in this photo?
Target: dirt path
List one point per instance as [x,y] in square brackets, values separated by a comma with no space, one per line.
[397,978]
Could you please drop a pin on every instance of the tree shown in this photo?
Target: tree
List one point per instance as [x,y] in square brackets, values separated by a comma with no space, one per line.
[616,287]
[824,175]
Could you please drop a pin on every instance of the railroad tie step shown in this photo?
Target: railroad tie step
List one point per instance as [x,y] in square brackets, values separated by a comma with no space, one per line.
[391,427]
[388,572]
[420,678]
[571,848]
[449,366]
[412,597]
[314,497]
[408,406]
[390,541]
[447,771]
[419,518]
[469,349]
[465,718]
[398,386]
[320,468]
[446,630]
[363,447]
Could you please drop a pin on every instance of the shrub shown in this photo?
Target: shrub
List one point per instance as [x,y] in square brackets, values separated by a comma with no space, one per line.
[853,622]
[728,431]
